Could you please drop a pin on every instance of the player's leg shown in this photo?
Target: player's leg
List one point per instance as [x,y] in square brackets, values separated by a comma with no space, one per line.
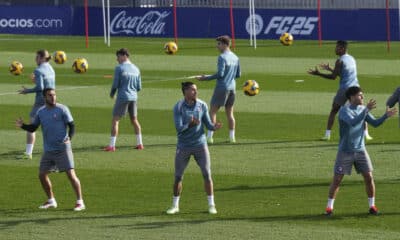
[119,110]
[331,120]
[202,157]
[213,116]
[132,109]
[217,100]
[230,116]
[366,133]
[333,190]
[45,167]
[76,185]
[363,165]
[181,161]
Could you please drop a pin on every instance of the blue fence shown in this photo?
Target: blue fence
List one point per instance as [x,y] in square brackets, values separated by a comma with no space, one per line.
[362,24]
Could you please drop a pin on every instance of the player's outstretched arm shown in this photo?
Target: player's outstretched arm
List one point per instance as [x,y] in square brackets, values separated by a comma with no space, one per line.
[377,122]
[27,127]
[332,76]
[394,98]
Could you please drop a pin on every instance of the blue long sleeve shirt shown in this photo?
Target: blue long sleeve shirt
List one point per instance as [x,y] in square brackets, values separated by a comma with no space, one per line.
[351,124]
[127,81]
[191,136]
[45,77]
[227,72]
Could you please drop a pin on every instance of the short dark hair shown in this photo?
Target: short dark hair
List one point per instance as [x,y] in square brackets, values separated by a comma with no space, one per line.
[342,43]
[351,91]
[46,90]
[43,53]
[186,85]
[123,52]
[225,39]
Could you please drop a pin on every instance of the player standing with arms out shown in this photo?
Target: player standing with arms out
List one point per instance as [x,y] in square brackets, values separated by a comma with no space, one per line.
[190,116]
[346,69]
[127,81]
[352,119]
[54,119]
[43,77]
[225,88]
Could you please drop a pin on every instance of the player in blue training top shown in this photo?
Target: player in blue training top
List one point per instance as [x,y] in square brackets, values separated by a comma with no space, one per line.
[352,119]
[43,77]
[127,82]
[54,119]
[346,69]
[191,116]
[225,88]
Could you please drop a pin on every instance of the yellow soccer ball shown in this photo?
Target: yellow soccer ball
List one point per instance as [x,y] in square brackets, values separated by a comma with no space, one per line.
[286,39]
[251,88]
[16,68]
[59,57]
[80,65]
[170,48]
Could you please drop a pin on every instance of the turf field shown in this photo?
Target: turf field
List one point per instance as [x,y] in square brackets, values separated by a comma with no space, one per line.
[272,184]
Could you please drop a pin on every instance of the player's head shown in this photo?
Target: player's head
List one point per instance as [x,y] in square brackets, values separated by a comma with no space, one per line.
[42,56]
[49,95]
[355,95]
[122,55]
[189,90]
[223,42]
[341,47]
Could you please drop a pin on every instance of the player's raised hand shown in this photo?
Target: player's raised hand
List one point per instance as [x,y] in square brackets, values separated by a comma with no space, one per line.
[326,67]
[314,71]
[22,90]
[371,104]
[390,111]
[19,122]
[217,125]
[201,77]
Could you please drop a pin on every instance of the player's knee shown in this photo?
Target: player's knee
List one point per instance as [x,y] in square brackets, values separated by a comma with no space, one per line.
[178,179]
[207,176]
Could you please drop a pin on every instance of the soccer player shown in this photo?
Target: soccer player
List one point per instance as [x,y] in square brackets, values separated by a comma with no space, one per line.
[43,77]
[346,69]
[393,99]
[352,150]
[191,116]
[127,81]
[54,119]
[224,92]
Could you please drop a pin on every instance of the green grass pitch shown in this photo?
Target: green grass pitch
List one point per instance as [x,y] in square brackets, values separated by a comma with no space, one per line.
[272,184]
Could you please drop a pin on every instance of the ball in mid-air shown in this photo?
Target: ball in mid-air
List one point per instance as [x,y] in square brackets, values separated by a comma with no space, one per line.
[286,39]
[251,88]
[170,48]
[80,65]
[59,57]
[16,68]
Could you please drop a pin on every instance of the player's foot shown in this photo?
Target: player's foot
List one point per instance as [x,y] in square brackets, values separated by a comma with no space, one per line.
[328,211]
[139,147]
[210,140]
[212,209]
[232,140]
[326,138]
[48,205]
[24,156]
[373,210]
[79,207]
[109,149]
[173,210]
[368,137]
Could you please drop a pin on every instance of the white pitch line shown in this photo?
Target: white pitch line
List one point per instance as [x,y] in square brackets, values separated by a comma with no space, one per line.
[173,79]
[58,89]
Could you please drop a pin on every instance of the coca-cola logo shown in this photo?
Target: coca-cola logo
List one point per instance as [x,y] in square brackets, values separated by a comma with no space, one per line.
[151,23]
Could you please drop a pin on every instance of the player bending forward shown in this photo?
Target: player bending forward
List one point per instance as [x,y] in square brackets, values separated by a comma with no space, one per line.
[190,116]
[352,146]
[57,156]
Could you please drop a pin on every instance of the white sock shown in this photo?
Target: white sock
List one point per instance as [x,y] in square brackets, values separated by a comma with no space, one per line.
[210,200]
[29,149]
[327,132]
[331,201]
[175,201]
[113,140]
[366,132]
[371,201]
[80,202]
[51,200]
[139,139]
[210,134]
[232,133]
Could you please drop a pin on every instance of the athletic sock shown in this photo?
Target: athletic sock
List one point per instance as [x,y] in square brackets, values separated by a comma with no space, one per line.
[29,149]
[113,140]
[139,139]
[232,133]
[80,202]
[371,201]
[331,201]
[210,200]
[366,133]
[210,134]
[327,132]
[51,200]
[175,201]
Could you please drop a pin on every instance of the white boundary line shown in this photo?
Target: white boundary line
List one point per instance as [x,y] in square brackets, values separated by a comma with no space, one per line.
[58,89]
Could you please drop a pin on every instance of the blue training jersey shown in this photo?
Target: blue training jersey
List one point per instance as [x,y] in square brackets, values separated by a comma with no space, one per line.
[183,113]
[348,73]
[351,124]
[127,81]
[228,70]
[54,122]
[45,77]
